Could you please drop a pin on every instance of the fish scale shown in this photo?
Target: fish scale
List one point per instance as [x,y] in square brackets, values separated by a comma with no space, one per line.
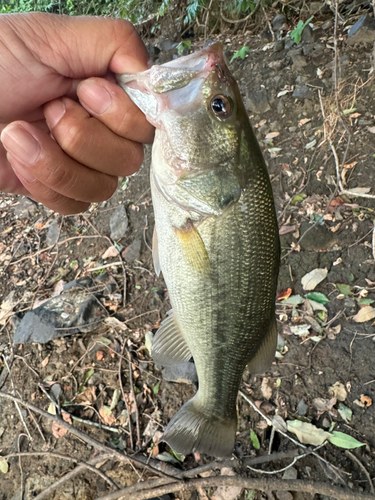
[216,241]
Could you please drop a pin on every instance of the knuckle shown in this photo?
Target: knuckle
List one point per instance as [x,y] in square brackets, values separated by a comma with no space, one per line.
[73,137]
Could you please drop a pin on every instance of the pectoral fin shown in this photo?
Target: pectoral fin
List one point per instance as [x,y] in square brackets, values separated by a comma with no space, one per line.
[193,247]
[155,252]
[266,352]
[169,346]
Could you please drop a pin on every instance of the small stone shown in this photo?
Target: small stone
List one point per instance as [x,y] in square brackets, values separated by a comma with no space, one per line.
[279,45]
[299,62]
[166,44]
[363,31]
[182,373]
[290,473]
[303,92]
[289,43]
[307,48]
[302,408]
[52,233]
[25,208]
[257,101]
[133,251]
[279,22]
[118,223]
[307,34]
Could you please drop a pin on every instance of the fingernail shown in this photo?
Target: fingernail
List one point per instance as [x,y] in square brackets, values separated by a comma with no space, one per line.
[54,112]
[95,97]
[20,144]
[20,171]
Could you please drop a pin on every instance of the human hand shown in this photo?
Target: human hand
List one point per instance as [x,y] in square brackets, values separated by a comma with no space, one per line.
[47,61]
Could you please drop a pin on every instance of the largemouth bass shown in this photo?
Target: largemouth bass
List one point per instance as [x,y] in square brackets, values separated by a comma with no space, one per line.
[215,241]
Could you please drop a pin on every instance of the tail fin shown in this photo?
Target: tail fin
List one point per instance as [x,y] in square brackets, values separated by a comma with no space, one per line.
[191,430]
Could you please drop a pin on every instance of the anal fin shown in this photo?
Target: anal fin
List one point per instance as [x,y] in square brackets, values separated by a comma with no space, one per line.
[169,346]
[266,352]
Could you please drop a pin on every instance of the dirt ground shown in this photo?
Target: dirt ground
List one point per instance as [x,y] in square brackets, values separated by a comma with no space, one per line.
[320,229]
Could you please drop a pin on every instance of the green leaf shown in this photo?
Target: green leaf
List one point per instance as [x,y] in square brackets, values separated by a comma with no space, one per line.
[351,277]
[155,389]
[186,44]
[240,53]
[251,494]
[293,300]
[254,440]
[73,264]
[278,382]
[296,34]
[349,111]
[318,297]
[365,302]
[342,440]
[4,466]
[345,413]
[344,289]
[298,197]
[85,379]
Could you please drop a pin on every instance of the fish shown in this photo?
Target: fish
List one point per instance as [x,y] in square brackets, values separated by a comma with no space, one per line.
[215,241]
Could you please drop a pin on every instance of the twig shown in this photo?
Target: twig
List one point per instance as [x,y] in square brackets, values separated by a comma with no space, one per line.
[295,459]
[138,443]
[63,457]
[262,484]
[123,396]
[360,464]
[93,442]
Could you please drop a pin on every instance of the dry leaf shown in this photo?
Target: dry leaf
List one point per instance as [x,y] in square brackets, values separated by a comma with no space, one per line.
[286,229]
[115,323]
[110,252]
[87,397]
[371,129]
[338,391]
[284,294]
[360,190]
[359,403]
[350,165]
[45,361]
[57,430]
[313,278]
[271,135]
[304,121]
[107,415]
[365,314]
[307,433]
[99,355]
[322,404]
[366,400]
[266,388]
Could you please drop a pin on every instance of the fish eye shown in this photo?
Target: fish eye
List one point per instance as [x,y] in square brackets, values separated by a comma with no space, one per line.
[222,106]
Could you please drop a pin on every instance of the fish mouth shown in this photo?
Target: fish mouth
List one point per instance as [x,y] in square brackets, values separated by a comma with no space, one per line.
[178,73]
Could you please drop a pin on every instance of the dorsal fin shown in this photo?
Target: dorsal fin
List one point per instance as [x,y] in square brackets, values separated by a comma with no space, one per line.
[169,346]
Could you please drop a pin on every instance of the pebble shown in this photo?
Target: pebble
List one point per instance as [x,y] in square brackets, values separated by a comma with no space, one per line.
[290,473]
[118,223]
